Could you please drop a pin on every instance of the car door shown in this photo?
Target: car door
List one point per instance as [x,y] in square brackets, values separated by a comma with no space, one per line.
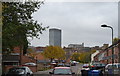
[28,72]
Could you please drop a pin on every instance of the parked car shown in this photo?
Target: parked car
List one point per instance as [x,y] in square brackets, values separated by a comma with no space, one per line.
[31,64]
[63,71]
[112,68]
[60,65]
[73,63]
[85,69]
[18,71]
[98,66]
[67,64]
[53,64]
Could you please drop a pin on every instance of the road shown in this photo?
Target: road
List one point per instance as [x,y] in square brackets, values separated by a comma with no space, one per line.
[76,69]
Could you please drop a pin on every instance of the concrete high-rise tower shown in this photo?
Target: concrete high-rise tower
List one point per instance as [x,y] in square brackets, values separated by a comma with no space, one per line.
[119,19]
[55,37]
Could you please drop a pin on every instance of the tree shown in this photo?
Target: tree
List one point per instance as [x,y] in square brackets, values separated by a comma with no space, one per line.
[86,56]
[54,52]
[30,50]
[115,40]
[76,56]
[18,24]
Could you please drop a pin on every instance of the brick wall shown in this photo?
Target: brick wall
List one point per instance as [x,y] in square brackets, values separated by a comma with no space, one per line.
[26,59]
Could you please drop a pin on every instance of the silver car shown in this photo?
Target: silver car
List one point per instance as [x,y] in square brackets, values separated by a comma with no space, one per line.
[62,71]
[19,71]
[112,68]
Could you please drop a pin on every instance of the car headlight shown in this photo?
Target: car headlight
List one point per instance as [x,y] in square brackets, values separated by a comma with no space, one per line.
[106,70]
[21,73]
[88,69]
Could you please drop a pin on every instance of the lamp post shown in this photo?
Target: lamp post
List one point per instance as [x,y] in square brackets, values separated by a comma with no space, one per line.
[104,25]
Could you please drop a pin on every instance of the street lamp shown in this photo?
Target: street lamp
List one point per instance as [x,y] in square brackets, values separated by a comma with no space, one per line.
[104,25]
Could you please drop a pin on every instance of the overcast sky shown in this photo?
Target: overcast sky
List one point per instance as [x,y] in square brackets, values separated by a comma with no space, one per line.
[80,22]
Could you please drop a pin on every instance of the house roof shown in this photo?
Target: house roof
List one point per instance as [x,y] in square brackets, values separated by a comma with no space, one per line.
[10,58]
[43,61]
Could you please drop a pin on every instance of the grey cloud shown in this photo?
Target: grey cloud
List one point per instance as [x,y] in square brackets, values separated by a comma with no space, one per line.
[79,21]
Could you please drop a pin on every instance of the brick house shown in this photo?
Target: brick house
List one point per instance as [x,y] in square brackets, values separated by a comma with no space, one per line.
[16,59]
[40,49]
[107,54]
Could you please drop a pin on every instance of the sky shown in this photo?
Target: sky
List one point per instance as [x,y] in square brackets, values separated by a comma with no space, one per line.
[80,22]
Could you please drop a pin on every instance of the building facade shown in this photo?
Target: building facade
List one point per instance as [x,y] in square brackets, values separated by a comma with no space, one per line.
[55,37]
[77,46]
[93,55]
[119,20]
[105,55]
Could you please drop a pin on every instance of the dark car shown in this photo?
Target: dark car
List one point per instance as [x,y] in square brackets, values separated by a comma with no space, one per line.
[97,69]
[100,67]
[19,71]
[62,71]
[73,64]
[85,69]
[67,65]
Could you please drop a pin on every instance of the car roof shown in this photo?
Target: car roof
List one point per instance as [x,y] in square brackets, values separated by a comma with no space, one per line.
[113,63]
[20,67]
[62,67]
[30,63]
[86,65]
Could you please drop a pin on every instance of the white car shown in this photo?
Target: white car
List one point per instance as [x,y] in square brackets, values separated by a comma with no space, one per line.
[18,71]
[109,68]
[86,67]
[31,64]
[62,71]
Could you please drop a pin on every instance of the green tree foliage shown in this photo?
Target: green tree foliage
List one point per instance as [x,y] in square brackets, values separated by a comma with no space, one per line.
[54,52]
[115,40]
[18,24]
[76,56]
[86,56]
[83,57]
[30,50]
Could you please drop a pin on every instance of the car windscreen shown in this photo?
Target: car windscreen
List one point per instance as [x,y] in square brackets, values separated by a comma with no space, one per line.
[111,66]
[85,66]
[60,64]
[119,66]
[62,71]
[16,71]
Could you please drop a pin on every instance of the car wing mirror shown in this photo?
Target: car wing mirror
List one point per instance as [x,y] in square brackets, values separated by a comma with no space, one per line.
[50,72]
[73,72]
